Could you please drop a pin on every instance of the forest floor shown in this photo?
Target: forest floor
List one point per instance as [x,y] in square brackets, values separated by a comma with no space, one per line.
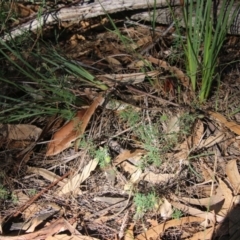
[142,159]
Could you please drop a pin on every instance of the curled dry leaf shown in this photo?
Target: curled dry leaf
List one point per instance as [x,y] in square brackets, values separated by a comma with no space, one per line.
[63,138]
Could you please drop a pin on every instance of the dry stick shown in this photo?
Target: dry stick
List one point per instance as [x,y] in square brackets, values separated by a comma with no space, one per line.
[152,96]
[34,198]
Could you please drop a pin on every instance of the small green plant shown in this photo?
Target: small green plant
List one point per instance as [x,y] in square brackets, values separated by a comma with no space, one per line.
[186,123]
[101,154]
[177,214]
[32,192]
[103,157]
[144,203]
[3,193]
[130,115]
[14,198]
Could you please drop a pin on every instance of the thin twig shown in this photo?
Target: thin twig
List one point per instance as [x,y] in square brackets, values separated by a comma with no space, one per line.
[152,96]
[34,198]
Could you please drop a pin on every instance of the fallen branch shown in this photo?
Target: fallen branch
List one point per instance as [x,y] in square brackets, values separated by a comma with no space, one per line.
[101,7]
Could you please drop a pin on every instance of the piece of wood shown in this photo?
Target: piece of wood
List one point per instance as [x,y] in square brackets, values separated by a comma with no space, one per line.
[101,7]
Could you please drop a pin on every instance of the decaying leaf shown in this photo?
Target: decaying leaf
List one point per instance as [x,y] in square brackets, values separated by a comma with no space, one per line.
[172,125]
[70,237]
[128,167]
[228,198]
[179,73]
[165,209]
[73,184]
[153,233]
[233,175]
[212,140]
[157,178]
[192,142]
[127,154]
[113,61]
[206,234]
[196,212]
[50,176]
[57,226]
[19,132]
[233,126]
[141,42]
[129,233]
[35,215]
[74,129]
[132,78]
[207,202]
[63,138]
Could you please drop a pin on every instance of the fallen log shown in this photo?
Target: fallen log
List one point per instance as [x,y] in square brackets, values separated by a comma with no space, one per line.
[101,7]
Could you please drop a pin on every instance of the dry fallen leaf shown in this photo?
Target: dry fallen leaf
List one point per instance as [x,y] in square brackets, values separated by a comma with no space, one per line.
[196,212]
[128,167]
[129,232]
[212,140]
[233,126]
[74,129]
[133,78]
[127,154]
[228,198]
[178,73]
[63,137]
[141,42]
[19,132]
[233,175]
[73,184]
[70,237]
[206,234]
[157,178]
[192,142]
[166,209]
[55,227]
[50,176]
[153,233]
[207,202]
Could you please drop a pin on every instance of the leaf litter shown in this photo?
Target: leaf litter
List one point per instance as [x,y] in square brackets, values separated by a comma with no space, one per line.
[163,147]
